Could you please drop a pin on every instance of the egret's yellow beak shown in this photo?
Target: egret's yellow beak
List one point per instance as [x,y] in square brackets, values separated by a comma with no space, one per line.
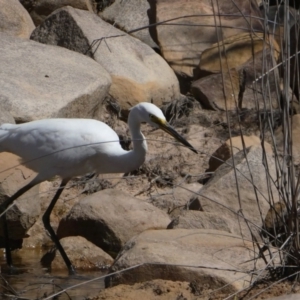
[165,126]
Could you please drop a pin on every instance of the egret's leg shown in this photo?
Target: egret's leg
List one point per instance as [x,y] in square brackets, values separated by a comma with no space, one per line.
[6,241]
[47,225]
[3,208]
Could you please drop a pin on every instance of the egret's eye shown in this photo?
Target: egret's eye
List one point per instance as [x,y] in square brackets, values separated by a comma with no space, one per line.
[151,116]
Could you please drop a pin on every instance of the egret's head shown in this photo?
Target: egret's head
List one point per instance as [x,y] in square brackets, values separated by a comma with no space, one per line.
[151,114]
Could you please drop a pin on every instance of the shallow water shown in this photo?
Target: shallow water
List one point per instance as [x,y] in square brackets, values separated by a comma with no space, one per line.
[28,280]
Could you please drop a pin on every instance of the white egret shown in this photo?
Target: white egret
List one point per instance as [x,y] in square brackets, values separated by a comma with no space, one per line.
[73,147]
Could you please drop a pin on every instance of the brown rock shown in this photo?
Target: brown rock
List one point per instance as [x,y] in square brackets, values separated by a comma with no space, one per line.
[236,51]
[241,87]
[26,209]
[82,253]
[37,236]
[194,28]
[212,257]
[191,219]
[168,198]
[233,146]
[243,196]
[275,224]
[14,19]
[110,218]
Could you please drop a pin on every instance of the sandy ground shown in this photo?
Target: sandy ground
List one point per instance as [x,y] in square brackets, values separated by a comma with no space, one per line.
[169,290]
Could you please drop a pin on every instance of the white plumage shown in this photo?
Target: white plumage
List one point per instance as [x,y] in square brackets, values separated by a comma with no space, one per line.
[68,147]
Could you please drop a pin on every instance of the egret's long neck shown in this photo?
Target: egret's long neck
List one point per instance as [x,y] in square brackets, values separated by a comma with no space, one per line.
[138,154]
[121,161]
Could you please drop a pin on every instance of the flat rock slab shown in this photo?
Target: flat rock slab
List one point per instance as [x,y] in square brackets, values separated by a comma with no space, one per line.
[110,218]
[138,73]
[211,257]
[40,81]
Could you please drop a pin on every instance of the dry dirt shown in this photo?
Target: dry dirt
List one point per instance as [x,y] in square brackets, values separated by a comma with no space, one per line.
[169,290]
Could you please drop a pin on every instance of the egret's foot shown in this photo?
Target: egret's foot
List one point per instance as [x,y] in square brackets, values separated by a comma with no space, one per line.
[11,270]
[72,270]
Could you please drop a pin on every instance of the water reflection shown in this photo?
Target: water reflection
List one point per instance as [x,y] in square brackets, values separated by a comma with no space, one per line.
[28,280]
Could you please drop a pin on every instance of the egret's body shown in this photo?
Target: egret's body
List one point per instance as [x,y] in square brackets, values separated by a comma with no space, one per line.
[72,147]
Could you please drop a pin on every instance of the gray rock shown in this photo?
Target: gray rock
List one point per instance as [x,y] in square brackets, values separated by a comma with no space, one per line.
[40,81]
[138,73]
[6,117]
[43,8]
[131,15]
